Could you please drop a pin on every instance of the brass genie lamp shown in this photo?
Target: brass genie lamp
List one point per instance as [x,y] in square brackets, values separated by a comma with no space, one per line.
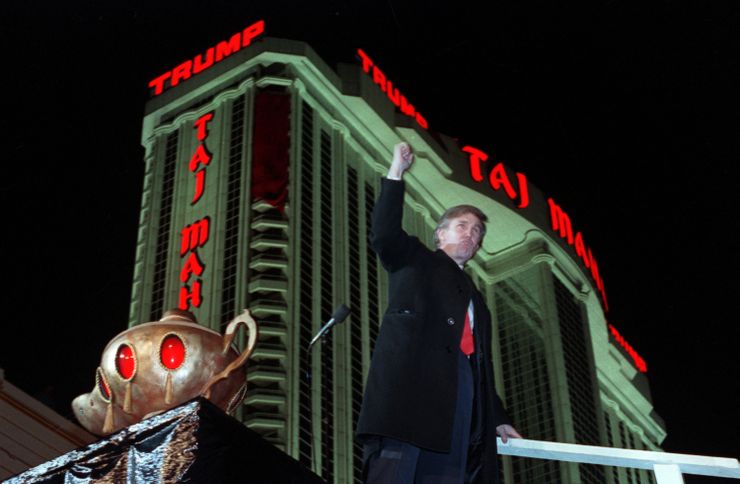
[155,366]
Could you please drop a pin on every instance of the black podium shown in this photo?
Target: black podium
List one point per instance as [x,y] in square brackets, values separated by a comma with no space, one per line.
[195,442]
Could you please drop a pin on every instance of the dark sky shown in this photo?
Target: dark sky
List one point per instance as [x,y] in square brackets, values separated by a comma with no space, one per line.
[620,111]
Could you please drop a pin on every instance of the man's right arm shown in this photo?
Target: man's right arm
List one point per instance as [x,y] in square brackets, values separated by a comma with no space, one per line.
[403,157]
[388,238]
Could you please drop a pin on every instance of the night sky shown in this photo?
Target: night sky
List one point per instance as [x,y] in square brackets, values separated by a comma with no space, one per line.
[619,111]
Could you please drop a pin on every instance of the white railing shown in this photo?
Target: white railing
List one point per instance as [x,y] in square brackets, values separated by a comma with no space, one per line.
[668,468]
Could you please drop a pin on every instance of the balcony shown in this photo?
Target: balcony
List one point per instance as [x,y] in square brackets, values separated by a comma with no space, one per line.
[265,421]
[269,351]
[668,468]
[264,242]
[262,308]
[269,328]
[262,396]
[265,283]
[262,223]
[263,262]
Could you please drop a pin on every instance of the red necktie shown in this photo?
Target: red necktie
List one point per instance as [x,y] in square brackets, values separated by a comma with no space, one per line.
[466,343]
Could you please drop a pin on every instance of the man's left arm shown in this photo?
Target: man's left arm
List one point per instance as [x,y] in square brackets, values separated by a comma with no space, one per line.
[502,422]
[505,431]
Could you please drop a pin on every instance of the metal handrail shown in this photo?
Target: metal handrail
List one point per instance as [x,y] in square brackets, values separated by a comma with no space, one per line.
[668,467]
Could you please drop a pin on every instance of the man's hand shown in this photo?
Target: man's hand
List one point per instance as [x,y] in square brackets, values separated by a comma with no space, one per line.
[506,431]
[403,157]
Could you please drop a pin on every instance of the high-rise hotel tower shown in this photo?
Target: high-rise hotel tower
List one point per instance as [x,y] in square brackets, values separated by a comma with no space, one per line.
[262,167]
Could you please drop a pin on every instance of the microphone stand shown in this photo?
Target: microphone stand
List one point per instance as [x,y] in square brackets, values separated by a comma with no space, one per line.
[339,315]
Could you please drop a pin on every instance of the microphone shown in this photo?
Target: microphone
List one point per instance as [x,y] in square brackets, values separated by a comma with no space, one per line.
[340,314]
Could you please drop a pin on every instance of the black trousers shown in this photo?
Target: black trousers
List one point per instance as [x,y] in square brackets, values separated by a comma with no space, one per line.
[391,461]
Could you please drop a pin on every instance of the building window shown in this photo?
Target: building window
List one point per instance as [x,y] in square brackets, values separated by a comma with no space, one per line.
[524,370]
[610,442]
[578,364]
[164,227]
[355,304]
[233,204]
[305,430]
[327,307]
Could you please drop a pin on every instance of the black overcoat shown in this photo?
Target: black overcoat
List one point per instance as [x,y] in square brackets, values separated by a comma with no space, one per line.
[411,388]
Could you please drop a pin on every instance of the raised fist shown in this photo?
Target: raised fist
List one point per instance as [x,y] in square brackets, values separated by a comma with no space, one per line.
[403,157]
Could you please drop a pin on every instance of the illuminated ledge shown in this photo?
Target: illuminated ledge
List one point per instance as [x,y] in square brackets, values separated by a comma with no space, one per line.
[272,329]
[264,397]
[268,283]
[260,421]
[668,467]
[264,262]
[263,307]
[263,350]
[264,242]
[265,222]
[259,373]
[262,206]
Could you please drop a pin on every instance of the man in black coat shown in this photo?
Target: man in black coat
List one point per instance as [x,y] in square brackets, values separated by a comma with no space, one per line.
[430,413]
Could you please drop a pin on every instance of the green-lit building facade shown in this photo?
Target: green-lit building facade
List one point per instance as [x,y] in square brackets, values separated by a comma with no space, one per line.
[261,174]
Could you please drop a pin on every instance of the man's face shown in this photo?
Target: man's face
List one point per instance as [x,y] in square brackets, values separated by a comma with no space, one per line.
[461,239]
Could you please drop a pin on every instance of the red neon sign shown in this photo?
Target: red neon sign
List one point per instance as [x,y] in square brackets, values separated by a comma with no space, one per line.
[561,225]
[195,235]
[392,92]
[213,56]
[193,265]
[498,179]
[201,156]
[639,362]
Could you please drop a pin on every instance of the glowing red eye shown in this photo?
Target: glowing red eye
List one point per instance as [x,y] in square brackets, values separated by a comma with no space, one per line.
[172,352]
[125,362]
[102,384]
